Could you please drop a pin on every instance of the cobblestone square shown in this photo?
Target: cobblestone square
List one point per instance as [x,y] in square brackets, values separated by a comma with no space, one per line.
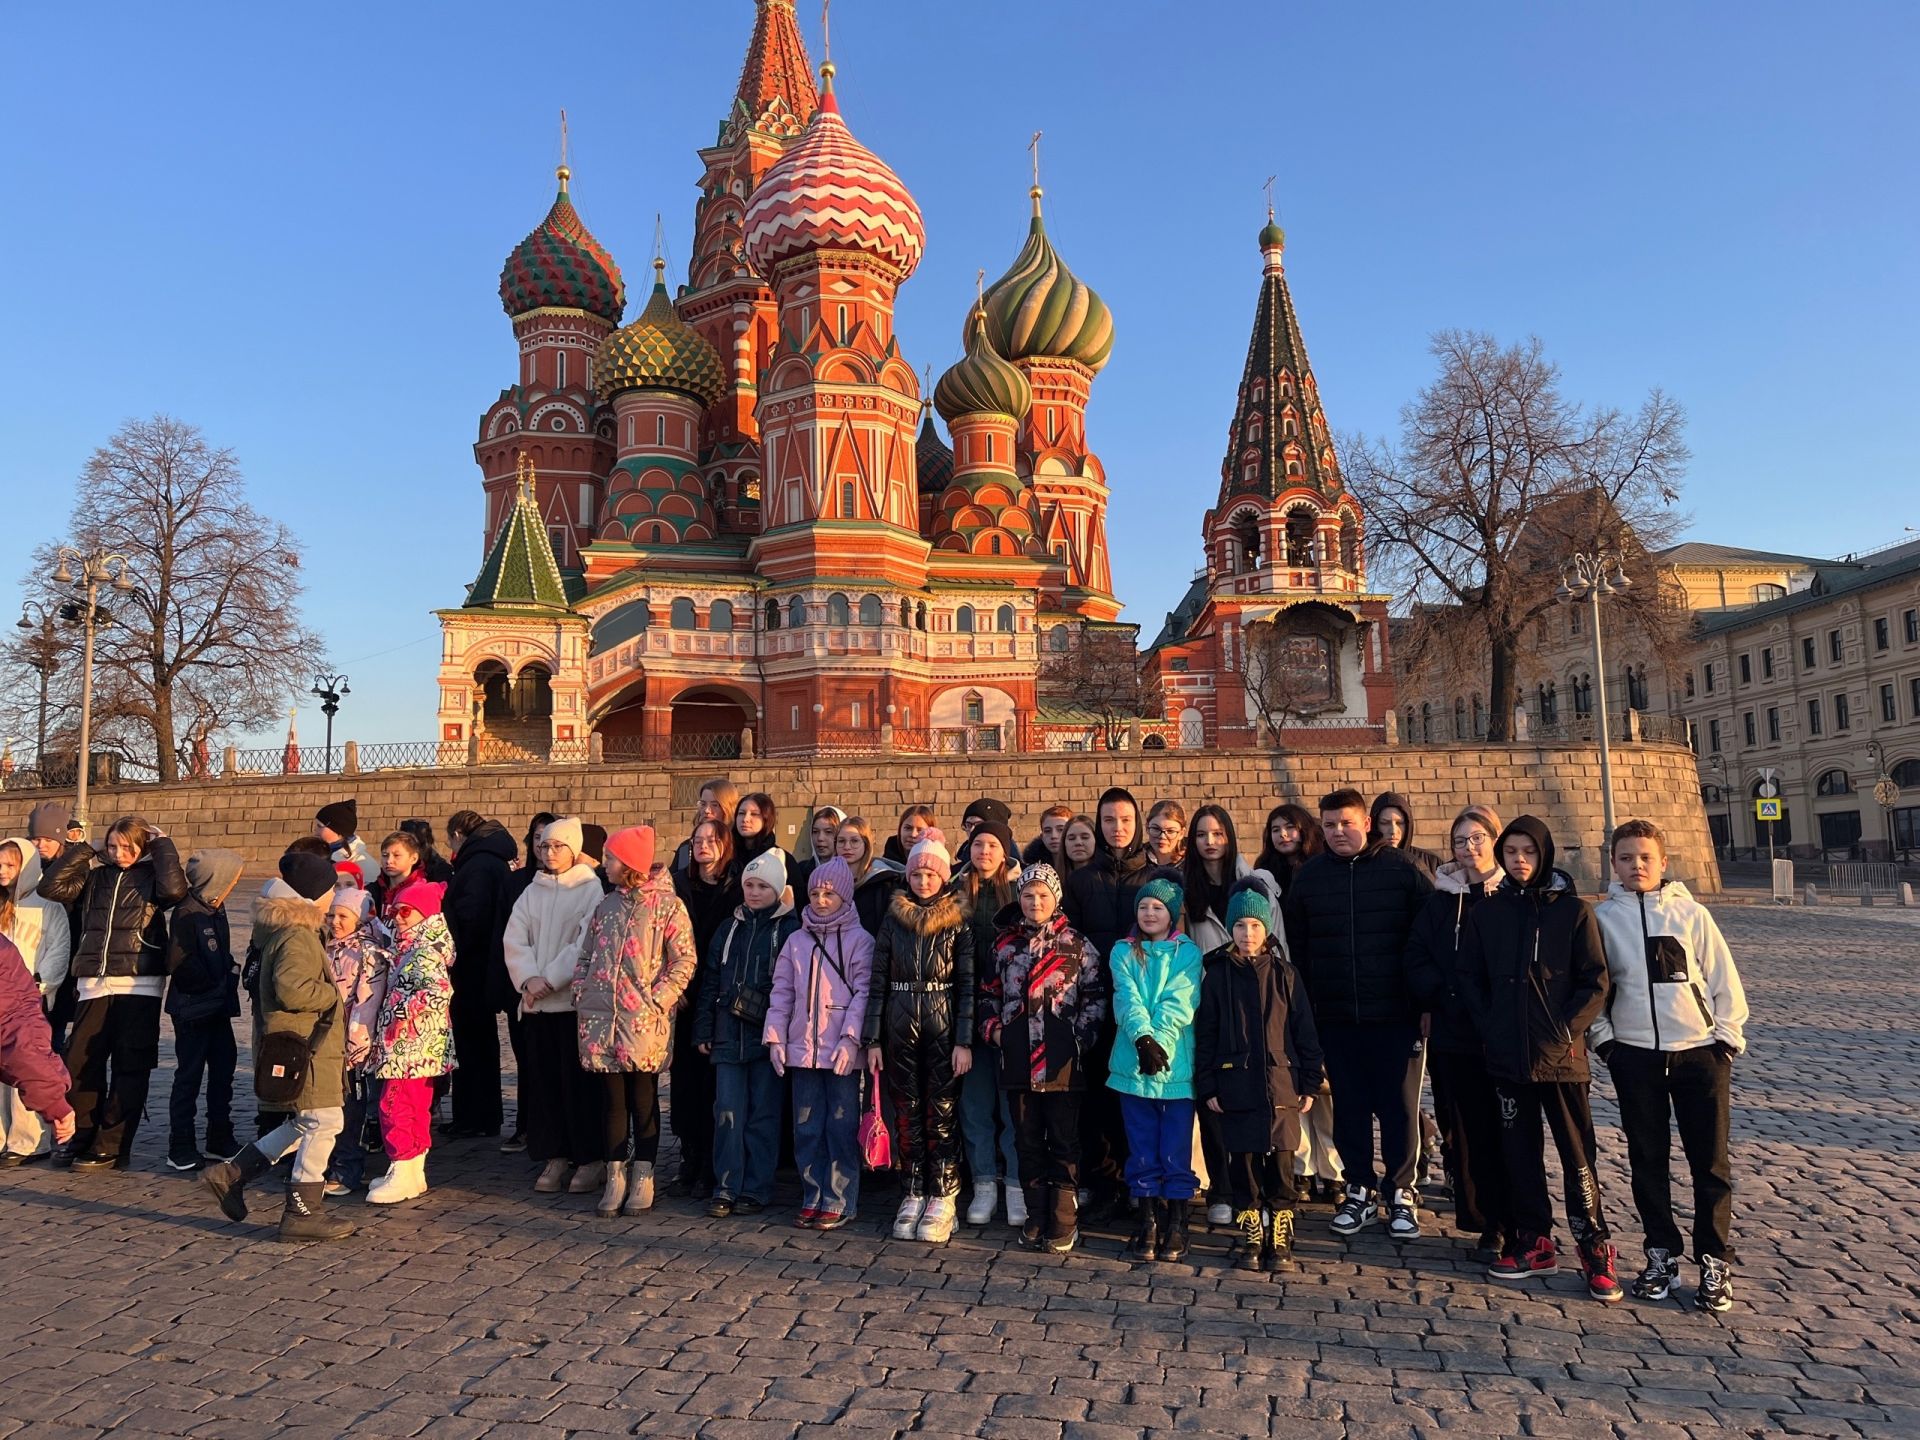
[133,1309]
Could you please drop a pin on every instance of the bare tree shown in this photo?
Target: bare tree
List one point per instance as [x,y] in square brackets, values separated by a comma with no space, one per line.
[1498,477]
[210,638]
[1100,671]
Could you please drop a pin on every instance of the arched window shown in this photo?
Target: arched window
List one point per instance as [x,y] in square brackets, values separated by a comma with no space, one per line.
[773,615]
[1834,782]
[1003,618]
[1479,719]
[920,617]
[993,544]
[796,613]
[963,619]
[1300,525]
[870,610]
[1906,774]
[680,614]
[1057,639]
[1459,718]
[847,510]
[1426,721]
[973,709]
[906,614]
[720,616]
[839,612]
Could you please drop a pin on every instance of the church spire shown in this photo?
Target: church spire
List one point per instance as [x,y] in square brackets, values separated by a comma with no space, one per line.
[1279,439]
[776,92]
[520,571]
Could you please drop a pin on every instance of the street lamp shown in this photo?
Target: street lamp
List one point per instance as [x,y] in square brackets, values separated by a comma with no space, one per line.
[1885,792]
[1585,578]
[330,688]
[43,654]
[1718,765]
[97,568]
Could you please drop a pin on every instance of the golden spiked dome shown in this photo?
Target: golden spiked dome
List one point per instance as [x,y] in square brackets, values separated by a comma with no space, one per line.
[659,351]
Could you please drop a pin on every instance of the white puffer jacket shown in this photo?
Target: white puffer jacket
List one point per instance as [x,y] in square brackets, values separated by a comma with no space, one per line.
[39,928]
[544,933]
[1675,986]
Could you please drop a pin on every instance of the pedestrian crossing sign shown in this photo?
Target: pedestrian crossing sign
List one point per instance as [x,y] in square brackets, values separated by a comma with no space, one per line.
[1766,809]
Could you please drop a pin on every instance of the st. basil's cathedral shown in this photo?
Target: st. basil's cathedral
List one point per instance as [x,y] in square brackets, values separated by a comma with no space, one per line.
[734,520]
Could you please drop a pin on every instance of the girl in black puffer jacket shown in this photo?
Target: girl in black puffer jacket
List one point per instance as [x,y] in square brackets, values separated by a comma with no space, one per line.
[120,971]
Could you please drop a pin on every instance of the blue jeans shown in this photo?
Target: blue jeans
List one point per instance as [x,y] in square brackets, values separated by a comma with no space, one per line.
[349,1163]
[826,1139]
[746,1128]
[1159,1147]
[983,1107]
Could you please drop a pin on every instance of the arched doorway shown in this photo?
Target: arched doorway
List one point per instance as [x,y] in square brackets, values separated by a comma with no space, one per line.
[495,688]
[533,693]
[1193,729]
[706,724]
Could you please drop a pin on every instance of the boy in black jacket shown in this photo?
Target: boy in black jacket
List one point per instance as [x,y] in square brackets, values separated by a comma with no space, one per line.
[203,999]
[1533,971]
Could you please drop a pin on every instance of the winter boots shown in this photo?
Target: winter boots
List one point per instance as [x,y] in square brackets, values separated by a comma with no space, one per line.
[229,1178]
[1033,1215]
[639,1188]
[305,1220]
[1253,1239]
[1063,1221]
[614,1195]
[404,1180]
[1278,1258]
[1173,1230]
[1145,1244]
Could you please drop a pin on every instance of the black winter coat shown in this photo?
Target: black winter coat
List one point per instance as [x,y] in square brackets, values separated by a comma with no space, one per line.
[1433,960]
[923,976]
[1535,977]
[1100,897]
[741,958]
[123,922]
[1255,1049]
[477,904]
[709,906]
[1347,921]
[873,896]
[203,983]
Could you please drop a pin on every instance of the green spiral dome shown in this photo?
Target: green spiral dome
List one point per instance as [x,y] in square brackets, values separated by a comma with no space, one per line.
[1040,310]
[982,383]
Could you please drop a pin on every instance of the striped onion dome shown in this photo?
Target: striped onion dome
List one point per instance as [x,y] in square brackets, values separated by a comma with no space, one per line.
[982,383]
[561,266]
[829,192]
[1040,310]
[659,351]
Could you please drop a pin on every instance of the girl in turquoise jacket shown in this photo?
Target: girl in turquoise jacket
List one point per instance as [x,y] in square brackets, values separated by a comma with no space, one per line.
[1156,987]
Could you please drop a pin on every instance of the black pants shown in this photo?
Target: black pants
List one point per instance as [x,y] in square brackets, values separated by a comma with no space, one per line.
[1261,1182]
[117,1035]
[1103,1133]
[475,1085]
[926,1098]
[1696,1086]
[1523,1155]
[1046,1134]
[203,1050]
[633,1115]
[1213,1149]
[562,1106]
[1375,1072]
[1468,1113]
[691,1087]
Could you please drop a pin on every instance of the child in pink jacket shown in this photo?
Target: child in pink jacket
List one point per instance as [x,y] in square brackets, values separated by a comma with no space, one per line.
[819,1002]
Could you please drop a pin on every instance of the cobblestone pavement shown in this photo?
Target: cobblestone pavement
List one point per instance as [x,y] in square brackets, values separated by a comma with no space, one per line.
[131,1308]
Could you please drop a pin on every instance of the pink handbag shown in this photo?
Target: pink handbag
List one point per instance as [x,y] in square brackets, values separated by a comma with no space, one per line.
[876,1145]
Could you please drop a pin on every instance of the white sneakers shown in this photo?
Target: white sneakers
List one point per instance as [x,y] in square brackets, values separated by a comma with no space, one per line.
[936,1222]
[1403,1215]
[1016,1205]
[907,1221]
[986,1199]
[404,1180]
[1220,1215]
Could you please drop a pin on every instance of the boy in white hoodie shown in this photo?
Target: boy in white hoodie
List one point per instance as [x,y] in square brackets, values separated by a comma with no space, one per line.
[1675,1020]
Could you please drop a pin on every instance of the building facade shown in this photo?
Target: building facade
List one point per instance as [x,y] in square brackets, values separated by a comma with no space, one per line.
[733,519]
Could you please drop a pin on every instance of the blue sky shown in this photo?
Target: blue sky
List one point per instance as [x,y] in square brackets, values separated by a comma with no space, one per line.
[286,225]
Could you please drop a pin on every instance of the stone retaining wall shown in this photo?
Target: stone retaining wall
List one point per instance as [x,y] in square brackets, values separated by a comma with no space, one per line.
[257,815]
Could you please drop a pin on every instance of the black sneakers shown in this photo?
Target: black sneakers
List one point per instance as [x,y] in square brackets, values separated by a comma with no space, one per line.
[1355,1212]
[1715,1294]
[1656,1281]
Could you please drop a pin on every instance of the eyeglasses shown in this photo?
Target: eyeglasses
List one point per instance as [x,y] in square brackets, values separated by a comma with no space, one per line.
[1164,832]
[1479,840]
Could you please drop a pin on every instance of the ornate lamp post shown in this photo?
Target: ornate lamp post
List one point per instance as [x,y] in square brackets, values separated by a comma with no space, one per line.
[1585,580]
[42,654]
[1886,794]
[97,568]
[1718,765]
[330,688]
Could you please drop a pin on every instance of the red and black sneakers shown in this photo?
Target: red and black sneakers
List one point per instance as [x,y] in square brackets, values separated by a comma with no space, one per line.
[1596,1262]
[1525,1259]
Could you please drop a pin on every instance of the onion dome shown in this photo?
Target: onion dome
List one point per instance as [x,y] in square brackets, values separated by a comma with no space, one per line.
[982,383]
[829,192]
[1040,310]
[659,351]
[933,460]
[561,265]
[1272,237]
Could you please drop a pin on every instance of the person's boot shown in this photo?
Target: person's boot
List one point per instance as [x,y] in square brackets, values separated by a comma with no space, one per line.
[587,1179]
[1173,1231]
[1253,1239]
[614,1195]
[1033,1228]
[1278,1258]
[1146,1234]
[639,1188]
[1016,1205]
[1063,1220]
[229,1178]
[306,1219]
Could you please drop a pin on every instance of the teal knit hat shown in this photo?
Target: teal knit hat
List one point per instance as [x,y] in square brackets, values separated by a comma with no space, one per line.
[1166,891]
[1250,904]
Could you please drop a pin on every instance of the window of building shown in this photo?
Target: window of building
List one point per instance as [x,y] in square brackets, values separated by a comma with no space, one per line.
[1575,623]
[963,619]
[1689,684]
[1583,695]
[839,610]
[1459,717]
[1910,623]
[660,430]
[1913,697]
[1813,716]
[720,616]
[973,709]
[1003,619]
[773,615]
[1842,712]
[846,500]
[796,612]
[1706,672]
[1905,774]
[1773,724]
[1889,706]
[1834,651]
[793,717]
[853,711]
[994,544]
[1764,592]
[1766,663]
[680,614]
[1426,722]
[1840,830]
[1479,719]
[920,617]
[1713,737]
[1834,782]
[1752,737]
[1806,652]
[1178,664]
[1746,669]
[870,610]
[1882,634]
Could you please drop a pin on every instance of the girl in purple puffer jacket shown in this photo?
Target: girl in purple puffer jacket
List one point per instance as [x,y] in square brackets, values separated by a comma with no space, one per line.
[819,1002]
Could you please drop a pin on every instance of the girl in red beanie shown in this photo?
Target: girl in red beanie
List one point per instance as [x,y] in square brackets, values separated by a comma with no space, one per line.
[415,1044]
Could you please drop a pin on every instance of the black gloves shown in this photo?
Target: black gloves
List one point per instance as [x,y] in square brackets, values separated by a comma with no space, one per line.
[1152,1058]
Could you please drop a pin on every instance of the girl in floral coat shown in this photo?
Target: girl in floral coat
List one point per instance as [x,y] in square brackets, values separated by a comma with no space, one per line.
[414,1045]
[637,958]
[358,963]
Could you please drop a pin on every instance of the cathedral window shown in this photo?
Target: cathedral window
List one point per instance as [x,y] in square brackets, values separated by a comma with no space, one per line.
[796,613]
[1300,527]
[990,451]
[846,500]
[920,617]
[995,544]
[720,616]
[559,371]
[1289,426]
[839,612]
[1255,429]
[1057,639]
[1293,467]
[870,610]
[680,614]
[906,615]
[963,619]
[773,615]
[973,709]
[1459,718]
[660,430]
[1053,427]
[843,325]
[1003,619]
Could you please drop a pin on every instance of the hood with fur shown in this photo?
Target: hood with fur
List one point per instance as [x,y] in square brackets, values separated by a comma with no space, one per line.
[942,912]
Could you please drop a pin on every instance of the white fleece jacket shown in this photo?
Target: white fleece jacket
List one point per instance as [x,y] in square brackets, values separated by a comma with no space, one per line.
[544,932]
[1698,1001]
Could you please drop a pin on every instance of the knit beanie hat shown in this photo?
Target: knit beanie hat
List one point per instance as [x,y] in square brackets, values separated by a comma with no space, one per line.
[356,902]
[633,848]
[422,896]
[568,831]
[48,821]
[310,875]
[1164,889]
[342,817]
[987,810]
[212,873]
[1250,903]
[1042,874]
[931,854]
[834,874]
[1001,832]
[770,865]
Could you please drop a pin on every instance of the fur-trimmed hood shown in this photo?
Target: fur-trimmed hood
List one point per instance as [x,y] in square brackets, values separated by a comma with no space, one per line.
[1453,878]
[290,913]
[943,912]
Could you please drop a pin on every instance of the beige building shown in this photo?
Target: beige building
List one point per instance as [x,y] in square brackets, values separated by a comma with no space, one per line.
[1820,686]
